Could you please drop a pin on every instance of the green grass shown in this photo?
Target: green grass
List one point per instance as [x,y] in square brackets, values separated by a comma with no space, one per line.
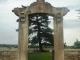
[40,56]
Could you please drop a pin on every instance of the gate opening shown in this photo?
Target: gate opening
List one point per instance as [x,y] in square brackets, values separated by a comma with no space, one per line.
[40,36]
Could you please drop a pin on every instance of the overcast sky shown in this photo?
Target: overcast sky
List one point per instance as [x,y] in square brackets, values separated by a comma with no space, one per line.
[8,23]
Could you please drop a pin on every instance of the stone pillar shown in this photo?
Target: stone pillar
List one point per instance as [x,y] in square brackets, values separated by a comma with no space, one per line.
[58,37]
[22,13]
[23,37]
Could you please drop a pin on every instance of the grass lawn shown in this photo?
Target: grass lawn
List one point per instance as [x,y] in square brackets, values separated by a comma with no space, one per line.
[40,56]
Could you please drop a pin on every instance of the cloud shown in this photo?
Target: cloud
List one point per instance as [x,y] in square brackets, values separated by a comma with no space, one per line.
[74,7]
[8,19]
[68,23]
[7,24]
[71,15]
[70,35]
[71,24]
[71,29]
[62,3]
[8,34]
[3,1]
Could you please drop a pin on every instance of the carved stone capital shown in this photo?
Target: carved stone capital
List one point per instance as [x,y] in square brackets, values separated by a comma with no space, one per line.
[17,11]
[62,10]
[59,17]
[40,1]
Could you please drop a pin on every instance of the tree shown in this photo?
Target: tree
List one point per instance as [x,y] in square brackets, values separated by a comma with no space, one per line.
[40,25]
[78,13]
[65,44]
[48,36]
[77,43]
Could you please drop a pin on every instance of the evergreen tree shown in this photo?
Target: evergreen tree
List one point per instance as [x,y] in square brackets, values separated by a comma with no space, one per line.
[39,24]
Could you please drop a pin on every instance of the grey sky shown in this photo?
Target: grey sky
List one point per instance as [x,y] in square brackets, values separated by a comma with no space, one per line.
[8,19]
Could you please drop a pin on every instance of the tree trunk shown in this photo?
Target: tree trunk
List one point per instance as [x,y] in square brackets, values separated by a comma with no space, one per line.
[38,34]
[40,45]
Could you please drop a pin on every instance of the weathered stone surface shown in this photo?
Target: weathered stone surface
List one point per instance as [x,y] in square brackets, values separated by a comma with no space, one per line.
[40,6]
[73,54]
[69,54]
[8,55]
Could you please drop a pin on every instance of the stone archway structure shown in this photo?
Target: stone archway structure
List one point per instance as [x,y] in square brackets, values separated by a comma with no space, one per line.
[40,6]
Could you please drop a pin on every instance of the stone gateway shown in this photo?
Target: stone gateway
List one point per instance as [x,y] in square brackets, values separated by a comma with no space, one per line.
[40,6]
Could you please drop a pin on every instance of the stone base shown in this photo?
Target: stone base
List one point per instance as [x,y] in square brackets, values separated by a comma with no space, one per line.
[70,54]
